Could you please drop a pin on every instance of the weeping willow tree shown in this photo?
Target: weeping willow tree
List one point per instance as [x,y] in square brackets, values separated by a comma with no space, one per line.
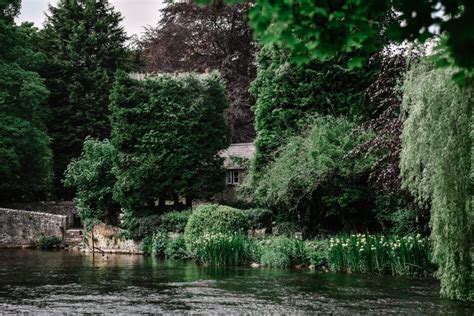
[437,167]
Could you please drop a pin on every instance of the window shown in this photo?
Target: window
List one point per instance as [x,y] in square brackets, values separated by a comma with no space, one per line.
[233,177]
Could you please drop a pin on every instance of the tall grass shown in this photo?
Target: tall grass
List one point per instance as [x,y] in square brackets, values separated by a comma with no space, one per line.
[222,249]
[409,255]
[282,252]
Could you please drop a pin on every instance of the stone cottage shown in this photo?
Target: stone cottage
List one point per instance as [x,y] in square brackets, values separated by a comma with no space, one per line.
[236,161]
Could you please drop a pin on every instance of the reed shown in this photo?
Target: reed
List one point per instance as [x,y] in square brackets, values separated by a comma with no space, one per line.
[220,249]
[363,253]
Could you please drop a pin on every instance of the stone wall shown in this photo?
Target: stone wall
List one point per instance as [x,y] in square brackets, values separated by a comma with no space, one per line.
[21,228]
[108,239]
[51,207]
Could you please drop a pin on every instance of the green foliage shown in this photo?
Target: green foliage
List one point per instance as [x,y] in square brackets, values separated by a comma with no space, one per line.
[398,217]
[25,160]
[156,243]
[258,218]
[436,166]
[22,94]
[25,157]
[274,259]
[140,226]
[282,252]
[213,218]
[348,26]
[159,127]
[317,252]
[288,96]
[222,249]
[176,248]
[410,255]
[174,221]
[287,228]
[92,178]
[316,166]
[84,44]
[49,242]
[323,29]
[137,227]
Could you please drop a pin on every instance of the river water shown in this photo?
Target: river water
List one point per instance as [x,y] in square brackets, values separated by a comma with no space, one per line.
[44,282]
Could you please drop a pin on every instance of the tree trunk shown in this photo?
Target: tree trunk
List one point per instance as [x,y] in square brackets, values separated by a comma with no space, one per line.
[189,202]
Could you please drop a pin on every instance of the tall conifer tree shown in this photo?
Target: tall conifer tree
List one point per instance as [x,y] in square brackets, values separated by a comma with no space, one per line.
[85,45]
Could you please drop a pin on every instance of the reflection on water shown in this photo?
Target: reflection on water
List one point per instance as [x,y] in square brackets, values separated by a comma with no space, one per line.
[44,282]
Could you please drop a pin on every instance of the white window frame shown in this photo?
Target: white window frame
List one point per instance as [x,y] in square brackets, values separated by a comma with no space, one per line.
[232,177]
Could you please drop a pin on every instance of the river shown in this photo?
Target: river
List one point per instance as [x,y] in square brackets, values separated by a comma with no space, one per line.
[42,282]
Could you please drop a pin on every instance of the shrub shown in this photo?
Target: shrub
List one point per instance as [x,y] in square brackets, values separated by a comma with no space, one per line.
[213,218]
[281,252]
[286,229]
[317,252]
[222,249]
[93,180]
[400,217]
[139,227]
[274,259]
[175,221]
[315,175]
[49,242]
[409,255]
[258,218]
[176,248]
[156,243]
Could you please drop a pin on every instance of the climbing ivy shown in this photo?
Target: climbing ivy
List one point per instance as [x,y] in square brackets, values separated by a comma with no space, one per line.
[437,167]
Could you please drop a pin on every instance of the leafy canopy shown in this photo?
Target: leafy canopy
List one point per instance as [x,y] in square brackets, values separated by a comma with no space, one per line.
[287,95]
[323,29]
[25,157]
[311,160]
[92,176]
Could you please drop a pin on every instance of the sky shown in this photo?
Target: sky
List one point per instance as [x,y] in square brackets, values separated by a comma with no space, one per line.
[136,13]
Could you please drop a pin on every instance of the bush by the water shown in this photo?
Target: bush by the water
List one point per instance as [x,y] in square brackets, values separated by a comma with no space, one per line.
[282,252]
[175,221]
[156,243]
[408,255]
[176,248]
[213,218]
[140,227]
[258,218]
[49,242]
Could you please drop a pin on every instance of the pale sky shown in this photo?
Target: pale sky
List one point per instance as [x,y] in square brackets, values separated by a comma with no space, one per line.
[136,13]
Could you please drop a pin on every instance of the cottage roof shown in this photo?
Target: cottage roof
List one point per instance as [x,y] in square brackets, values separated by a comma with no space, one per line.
[239,150]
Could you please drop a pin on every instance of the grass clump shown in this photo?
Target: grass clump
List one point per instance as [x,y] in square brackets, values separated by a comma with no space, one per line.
[49,242]
[409,255]
[222,249]
[282,252]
